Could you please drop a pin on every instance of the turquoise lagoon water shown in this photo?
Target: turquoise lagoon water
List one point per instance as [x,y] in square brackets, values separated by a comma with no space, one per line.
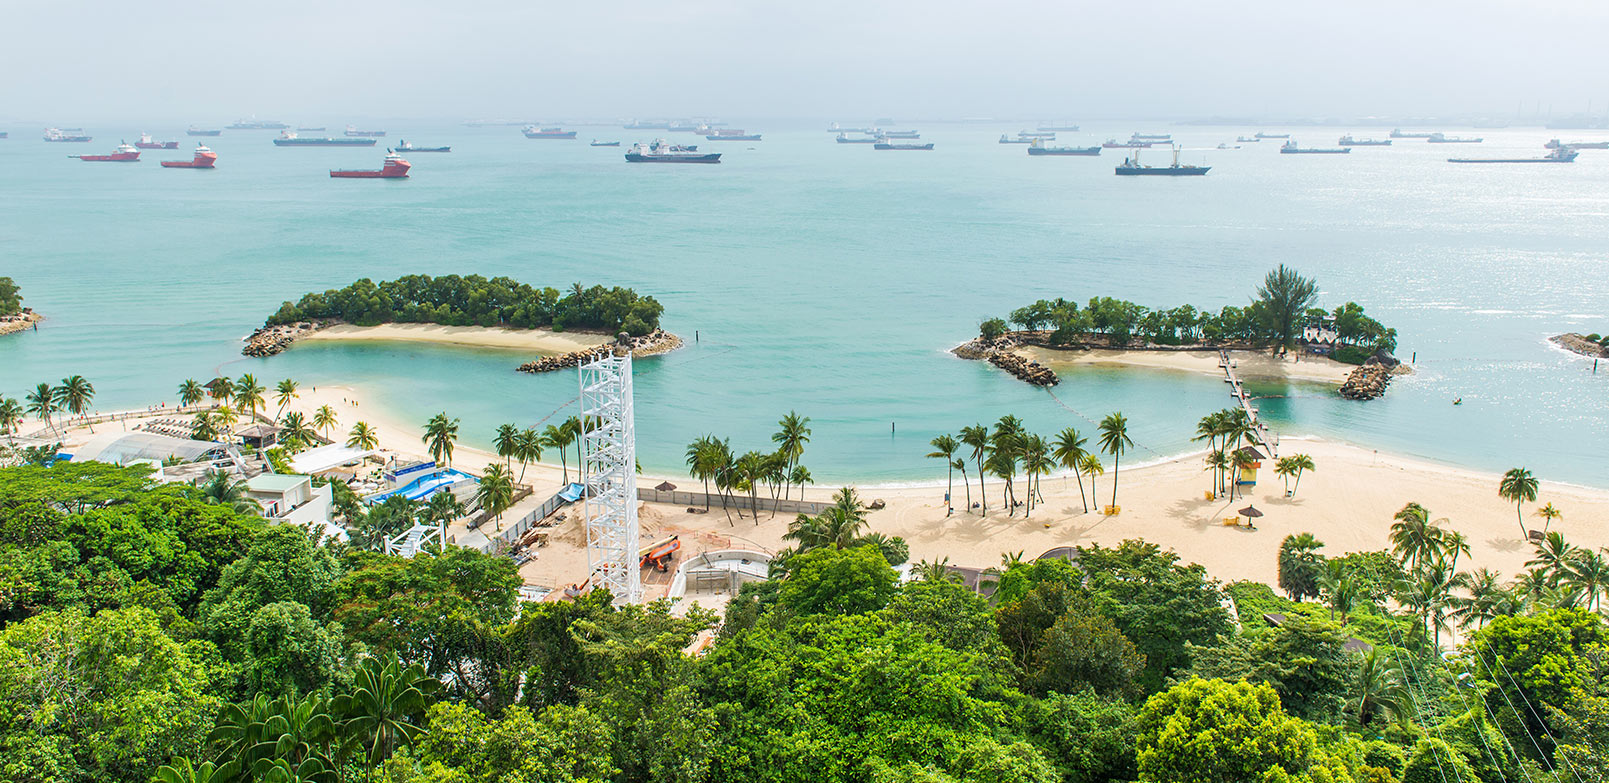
[831,279]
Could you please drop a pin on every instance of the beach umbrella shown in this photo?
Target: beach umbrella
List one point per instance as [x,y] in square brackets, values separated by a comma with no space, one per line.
[1250,512]
[665,486]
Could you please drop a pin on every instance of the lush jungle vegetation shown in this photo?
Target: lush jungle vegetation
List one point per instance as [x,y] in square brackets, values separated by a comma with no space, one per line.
[1285,303]
[478,301]
[10,297]
[151,633]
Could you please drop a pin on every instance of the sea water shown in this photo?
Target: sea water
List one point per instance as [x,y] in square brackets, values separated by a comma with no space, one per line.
[831,279]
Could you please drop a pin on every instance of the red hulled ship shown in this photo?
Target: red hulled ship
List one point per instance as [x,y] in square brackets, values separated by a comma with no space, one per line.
[395,168]
[125,153]
[203,160]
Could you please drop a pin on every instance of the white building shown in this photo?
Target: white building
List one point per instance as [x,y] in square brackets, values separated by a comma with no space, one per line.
[292,499]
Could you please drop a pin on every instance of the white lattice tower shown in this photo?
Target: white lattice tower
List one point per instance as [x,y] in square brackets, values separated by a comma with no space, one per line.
[609,473]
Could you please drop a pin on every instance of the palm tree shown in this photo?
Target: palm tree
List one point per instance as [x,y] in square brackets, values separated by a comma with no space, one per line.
[10,415]
[222,391]
[495,492]
[285,393]
[1217,462]
[1299,565]
[1486,594]
[702,463]
[578,428]
[1003,465]
[1590,575]
[559,437]
[1283,468]
[181,771]
[1069,451]
[1339,589]
[190,393]
[1208,428]
[1379,690]
[363,437]
[1453,544]
[1415,540]
[961,465]
[504,441]
[935,571]
[225,419]
[1517,486]
[1303,463]
[1548,513]
[294,429]
[1427,594]
[220,490]
[383,711]
[442,508]
[977,437]
[749,470]
[1005,445]
[203,427]
[1036,462]
[944,447]
[800,475]
[527,448]
[837,526]
[42,403]
[1554,556]
[791,437]
[440,434]
[249,395]
[324,419]
[1092,467]
[1114,439]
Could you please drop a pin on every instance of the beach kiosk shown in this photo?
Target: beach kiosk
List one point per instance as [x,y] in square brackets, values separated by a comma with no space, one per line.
[1248,474]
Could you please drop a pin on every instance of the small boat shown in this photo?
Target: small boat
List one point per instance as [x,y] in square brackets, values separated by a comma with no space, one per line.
[1248,139]
[290,139]
[1555,144]
[1004,139]
[1262,135]
[1290,148]
[533,132]
[204,159]
[362,134]
[125,153]
[1564,155]
[1226,146]
[661,152]
[597,143]
[146,143]
[194,131]
[842,139]
[1114,144]
[1348,141]
[734,137]
[404,146]
[1398,133]
[1038,148]
[70,134]
[395,168]
[1442,138]
[1131,167]
[885,144]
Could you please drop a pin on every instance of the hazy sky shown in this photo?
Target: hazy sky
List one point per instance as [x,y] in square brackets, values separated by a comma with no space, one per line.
[66,61]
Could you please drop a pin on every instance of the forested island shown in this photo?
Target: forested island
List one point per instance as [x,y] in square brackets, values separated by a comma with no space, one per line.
[13,316]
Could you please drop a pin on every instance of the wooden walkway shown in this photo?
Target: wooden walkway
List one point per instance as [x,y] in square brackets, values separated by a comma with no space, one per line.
[1238,391]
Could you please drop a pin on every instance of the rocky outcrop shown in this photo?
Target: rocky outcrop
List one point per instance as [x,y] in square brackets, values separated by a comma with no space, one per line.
[1578,343]
[1367,382]
[1001,352]
[656,342]
[273,340]
[20,322]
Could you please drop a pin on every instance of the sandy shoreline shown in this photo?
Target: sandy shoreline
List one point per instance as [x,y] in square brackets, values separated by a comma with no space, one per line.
[1250,364]
[543,341]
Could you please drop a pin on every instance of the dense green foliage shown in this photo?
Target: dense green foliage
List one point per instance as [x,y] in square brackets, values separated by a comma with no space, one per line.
[477,301]
[10,297]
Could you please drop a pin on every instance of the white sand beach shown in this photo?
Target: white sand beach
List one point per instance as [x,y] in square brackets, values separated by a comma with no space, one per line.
[544,341]
[1249,364]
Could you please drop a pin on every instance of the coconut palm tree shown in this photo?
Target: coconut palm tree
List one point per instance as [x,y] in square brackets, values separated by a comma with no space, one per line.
[324,419]
[222,390]
[181,771]
[385,701]
[577,427]
[1006,440]
[1303,464]
[1554,556]
[1426,594]
[837,526]
[1036,463]
[1002,464]
[1453,544]
[961,465]
[248,395]
[1092,467]
[1379,690]
[74,395]
[792,435]
[1415,540]
[504,441]
[1486,596]
[1300,565]
[1517,486]
[1217,462]
[1590,575]
[944,447]
[527,448]
[363,437]
[1284,469]
[800,476]
[1339,590]
[977,438]
[220,490]
[1069,451]
[204,427]
[190,393]
[1548,513]
[294,430]
[42,403]
[442,508]
[284,394]
[701,462]
[937,570]
[1114,439]
[1241,460]
[1208,428]
[495,492]
[10,415]
[559,437]
[224,419]
[440,435]
[749,471]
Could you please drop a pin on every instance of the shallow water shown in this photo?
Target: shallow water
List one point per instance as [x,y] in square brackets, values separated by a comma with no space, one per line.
[830,279]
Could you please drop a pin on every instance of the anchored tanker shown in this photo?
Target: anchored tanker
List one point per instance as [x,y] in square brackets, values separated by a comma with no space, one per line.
[290,139]
[1131,167]
[1564,155]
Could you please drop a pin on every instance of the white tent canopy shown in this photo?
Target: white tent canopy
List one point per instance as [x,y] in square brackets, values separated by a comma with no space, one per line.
[326,457]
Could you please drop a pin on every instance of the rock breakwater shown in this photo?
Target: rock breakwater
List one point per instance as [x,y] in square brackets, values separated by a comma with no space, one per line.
[23,321]
[1580,343]
[656,342]
[1001,352]
[1367,382]
[273,340]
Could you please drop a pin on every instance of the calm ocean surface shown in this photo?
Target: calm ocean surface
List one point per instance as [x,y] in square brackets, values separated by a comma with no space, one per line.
[831,279]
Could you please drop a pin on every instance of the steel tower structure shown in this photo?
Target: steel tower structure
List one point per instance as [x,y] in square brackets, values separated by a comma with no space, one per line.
[609,473]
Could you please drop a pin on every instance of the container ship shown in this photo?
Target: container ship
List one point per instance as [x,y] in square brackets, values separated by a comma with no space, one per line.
[1038,148]
[351,130]
[1441,138]
[146,143]
[1261,135]
[1131,167]
[533,132]
[404,146]
[660,152]
[1554,144]
[289,139]
[395,168]
[258,125]
[125,153]
[203,160]
[1290,148]
[1348,141]
[1398,133]
[72,134]
[194,131]
[1152,137]
[1565,155]
[842,139]
[885,144]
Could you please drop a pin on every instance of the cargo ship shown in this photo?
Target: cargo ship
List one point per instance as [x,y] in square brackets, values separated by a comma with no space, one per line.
[904,134]
[146,143]
[73,134]
[842,139]
[533,132]
[597,143]
[1248,139]
[885,144]
[1440,138]
[319,129]
[395,168]
[1151,137]
[1131,167]
[1554,144]
[194,131]
[1290,148]
[1046,135]
[660,152]
[1261,135]
[203,160]
[1564,155]
[1114,144]
[1057,126]
[740,136]
[404,146]
[834,128]
[290,139]
[125,153]
[1348,141]
[1004,139]
[1398,133]
[647,125]
[1038,148]
[258,125]
[351,130]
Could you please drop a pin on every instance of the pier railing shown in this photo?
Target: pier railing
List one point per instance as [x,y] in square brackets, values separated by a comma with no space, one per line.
[1238,391]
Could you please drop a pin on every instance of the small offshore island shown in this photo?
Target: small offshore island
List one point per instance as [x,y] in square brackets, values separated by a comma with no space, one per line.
[567,328]
[1594,345]
[1344,346]
[13,316]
